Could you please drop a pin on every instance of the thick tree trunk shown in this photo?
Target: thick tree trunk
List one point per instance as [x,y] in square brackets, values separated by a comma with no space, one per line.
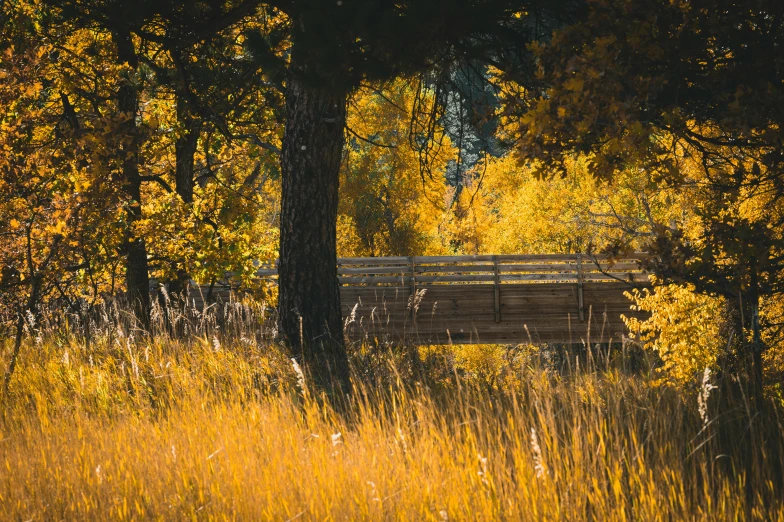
[137,279]
[310,318]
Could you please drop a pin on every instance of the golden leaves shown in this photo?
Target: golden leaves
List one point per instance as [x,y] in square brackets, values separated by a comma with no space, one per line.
[33,89]
[683,328]
[574,84]
[388,206]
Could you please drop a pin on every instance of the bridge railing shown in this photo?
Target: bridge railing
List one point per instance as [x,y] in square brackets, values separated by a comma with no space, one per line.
[498,269]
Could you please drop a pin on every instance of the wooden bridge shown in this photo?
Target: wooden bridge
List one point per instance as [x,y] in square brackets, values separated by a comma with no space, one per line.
[485,298]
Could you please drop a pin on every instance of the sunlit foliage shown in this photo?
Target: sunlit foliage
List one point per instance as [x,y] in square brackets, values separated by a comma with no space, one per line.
[684,329]
[388,205]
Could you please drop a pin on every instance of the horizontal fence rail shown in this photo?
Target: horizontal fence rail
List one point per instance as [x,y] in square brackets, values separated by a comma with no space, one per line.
[543,268]
[508,299]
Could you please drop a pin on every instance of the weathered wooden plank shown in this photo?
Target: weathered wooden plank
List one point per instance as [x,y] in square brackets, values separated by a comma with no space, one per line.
[618,291]
[489,258]
[371,270]
[457,278]
[537,267]
[540,277]
[560,323]
[628,266]
[347,280]
[478,300]
[477,331]
[373,261]
[423,260]
[511,288]
[512,338]
[506,301]
[448,278]
[530,272]
[457,269]
[427,319]
[508,258]
[609,285]
[617,276]
[480,328]
[520,335]
[378,290]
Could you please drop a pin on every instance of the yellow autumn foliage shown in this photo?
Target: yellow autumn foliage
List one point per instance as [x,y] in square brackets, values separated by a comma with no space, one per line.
[683,329]
[388,205]
[506,209]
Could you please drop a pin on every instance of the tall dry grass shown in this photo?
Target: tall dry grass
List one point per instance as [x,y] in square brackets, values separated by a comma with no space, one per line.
[218,425]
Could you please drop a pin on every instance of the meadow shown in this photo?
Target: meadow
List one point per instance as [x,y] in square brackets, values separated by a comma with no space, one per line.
[217,423]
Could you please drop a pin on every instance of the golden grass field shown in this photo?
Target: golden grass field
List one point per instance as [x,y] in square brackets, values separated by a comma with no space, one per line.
[209,429]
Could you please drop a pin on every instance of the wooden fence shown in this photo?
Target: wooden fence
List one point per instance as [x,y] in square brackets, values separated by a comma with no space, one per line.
[487,298]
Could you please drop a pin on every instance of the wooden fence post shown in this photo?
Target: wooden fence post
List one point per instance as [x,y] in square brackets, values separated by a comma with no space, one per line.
[580,302]
[497,288]
[413,290]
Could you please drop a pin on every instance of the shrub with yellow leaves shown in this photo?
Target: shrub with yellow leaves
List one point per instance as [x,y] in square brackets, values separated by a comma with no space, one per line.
[684,328]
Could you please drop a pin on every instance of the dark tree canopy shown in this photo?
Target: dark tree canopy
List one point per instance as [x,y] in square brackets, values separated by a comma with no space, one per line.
[314,55]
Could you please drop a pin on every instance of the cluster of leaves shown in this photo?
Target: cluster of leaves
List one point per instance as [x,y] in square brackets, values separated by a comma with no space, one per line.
[507,209]
[55,189]
[684,328]
[690,92]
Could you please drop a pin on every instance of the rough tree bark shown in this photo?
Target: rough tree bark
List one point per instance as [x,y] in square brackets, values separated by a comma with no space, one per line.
[137,279]
[310,318]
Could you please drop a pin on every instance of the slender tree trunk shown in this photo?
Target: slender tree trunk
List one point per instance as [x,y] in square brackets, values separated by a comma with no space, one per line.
[9,372]
[137,279]
[185,149]
[30,310]
[756,336]
[185,152]
[743,353]
[309,296]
